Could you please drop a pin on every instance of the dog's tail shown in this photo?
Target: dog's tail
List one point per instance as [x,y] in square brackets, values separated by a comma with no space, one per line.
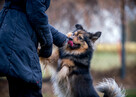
[110,88]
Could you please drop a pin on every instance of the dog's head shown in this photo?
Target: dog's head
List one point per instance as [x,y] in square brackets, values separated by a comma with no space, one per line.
[79,41]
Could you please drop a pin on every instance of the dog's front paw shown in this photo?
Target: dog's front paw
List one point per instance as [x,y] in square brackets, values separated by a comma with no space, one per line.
[63,73]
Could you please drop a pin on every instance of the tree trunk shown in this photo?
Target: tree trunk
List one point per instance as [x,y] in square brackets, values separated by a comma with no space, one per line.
[123,36]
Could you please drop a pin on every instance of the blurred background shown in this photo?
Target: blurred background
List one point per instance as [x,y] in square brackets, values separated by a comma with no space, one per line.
[115,51]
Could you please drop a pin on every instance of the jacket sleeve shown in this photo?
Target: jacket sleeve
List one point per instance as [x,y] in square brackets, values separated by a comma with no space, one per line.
[58,37]
[35,10]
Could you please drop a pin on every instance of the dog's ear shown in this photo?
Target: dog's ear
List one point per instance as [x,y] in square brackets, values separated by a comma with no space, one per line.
[78,26]
[95,36]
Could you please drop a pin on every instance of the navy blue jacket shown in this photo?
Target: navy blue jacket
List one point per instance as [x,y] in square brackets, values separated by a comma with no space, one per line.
[23,23]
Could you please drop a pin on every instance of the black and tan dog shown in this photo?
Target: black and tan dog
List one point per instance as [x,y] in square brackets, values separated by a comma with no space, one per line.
[70,65]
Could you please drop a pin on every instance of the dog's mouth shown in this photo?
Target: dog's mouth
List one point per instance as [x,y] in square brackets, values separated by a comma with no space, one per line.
[73,45]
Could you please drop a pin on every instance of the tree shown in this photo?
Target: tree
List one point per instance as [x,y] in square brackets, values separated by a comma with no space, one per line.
[123,37]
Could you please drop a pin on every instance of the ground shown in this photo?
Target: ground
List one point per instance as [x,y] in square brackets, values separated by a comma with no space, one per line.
[129,83]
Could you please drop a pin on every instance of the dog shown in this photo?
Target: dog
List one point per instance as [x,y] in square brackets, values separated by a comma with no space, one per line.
[70,66]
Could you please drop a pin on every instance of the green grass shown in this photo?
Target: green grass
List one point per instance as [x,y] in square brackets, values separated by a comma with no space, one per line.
[48,95]
[109,60]
[131,93]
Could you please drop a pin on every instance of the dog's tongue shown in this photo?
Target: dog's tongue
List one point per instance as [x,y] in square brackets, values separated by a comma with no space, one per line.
[70,43]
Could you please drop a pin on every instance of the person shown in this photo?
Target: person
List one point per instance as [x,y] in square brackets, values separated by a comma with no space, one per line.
[24,24]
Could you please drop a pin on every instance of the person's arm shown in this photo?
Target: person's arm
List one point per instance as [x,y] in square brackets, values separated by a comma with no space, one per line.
[35,10]
[58,37]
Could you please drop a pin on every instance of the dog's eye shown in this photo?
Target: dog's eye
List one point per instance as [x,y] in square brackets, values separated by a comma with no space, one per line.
[80,38]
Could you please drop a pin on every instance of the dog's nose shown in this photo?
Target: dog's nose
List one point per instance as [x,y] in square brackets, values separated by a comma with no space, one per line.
[70,38]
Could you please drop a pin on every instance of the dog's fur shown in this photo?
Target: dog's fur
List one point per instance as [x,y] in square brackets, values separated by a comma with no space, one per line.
[70,65]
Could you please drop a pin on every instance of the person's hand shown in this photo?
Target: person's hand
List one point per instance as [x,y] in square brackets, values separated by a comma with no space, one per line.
[45,51]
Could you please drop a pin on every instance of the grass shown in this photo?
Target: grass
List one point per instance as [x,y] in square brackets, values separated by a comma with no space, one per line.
[48,95]
[131,93]
[109,60]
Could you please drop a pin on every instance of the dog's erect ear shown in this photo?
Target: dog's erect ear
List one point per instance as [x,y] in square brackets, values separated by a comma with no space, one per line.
[78,26]
[95,36]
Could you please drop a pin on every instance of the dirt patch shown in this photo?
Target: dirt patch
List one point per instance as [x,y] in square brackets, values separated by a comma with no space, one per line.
[3,88]
[129,82]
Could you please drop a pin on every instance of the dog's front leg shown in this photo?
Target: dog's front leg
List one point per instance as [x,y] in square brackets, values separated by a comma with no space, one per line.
[63,68]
